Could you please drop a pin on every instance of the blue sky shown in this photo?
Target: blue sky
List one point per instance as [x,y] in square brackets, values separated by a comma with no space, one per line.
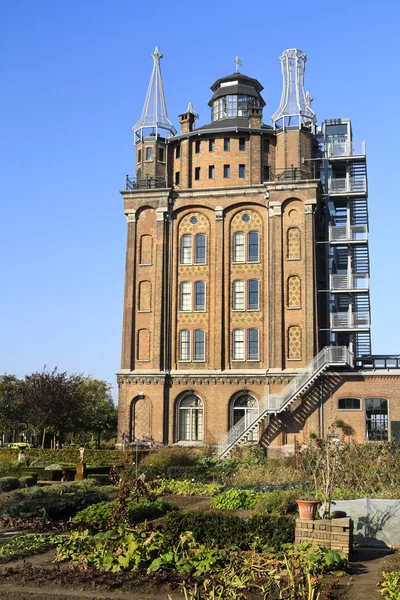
[74,76]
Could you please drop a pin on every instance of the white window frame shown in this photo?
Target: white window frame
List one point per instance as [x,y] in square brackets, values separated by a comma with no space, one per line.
[253,260]
[185,300]
[234,345]
[235,246]
[149,150]
[235,292]
[181,342]
[192,417]
[182,248]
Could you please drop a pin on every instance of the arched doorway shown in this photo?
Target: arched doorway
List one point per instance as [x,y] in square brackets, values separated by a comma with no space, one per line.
[245,405]
[140,420]
[190,416]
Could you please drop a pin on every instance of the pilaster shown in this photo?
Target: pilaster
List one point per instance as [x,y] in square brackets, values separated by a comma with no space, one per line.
[127,359]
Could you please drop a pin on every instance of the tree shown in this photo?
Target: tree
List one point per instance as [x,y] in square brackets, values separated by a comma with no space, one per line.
[98,415]
[52,401]
[12,407]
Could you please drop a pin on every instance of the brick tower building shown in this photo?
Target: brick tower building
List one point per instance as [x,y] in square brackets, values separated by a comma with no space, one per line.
[246,312]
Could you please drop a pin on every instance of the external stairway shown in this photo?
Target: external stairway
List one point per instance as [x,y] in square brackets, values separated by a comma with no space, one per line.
[330,356]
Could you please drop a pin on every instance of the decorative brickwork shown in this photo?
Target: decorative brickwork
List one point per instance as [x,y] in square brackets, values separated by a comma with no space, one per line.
[293,243]
[294,292]
[294,342]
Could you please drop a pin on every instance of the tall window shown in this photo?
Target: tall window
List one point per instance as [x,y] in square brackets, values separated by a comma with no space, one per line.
[242,143]
[253,294]
[139,156]
[186,250]
[197,173]
[186,296]
[199,344]
[238,344]
[227,171]
[178,151]
[253,351]
[238,247]
[245,406]
[254,251]
[242,171]
[211,145]
[211,172]
[161,154]
[200,254]
[177,177]
[149,153]
[376,410]
[266,145]
[184,344]
[266,173]
[227,143]
[238,295]
[197,146]
[190,419]
[200,295]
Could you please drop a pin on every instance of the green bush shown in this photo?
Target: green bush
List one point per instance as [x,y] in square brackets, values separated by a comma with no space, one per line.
[164,458]
[99,479]
[20,546]
[7,484]
[56,507]
[236,499]
[195,472]
[279,502]
[136,511]
[390,585]
[27,482]
[68,457]
[222,530]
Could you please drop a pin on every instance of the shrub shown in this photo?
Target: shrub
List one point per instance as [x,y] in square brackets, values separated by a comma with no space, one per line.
[236,499]
[24,545]
[136,511]
[7,484]
[278,502]
[221,530]
[271,473]
[26,482]
[99,479]
[195,472]
[188,488]
[164,458]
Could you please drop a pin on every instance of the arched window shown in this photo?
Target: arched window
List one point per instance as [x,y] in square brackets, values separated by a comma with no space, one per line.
[253,346]
[253,247]
[293,243]
[253,294]
[199,344]
[149,153]
[238,247]
[376,411]
[238,295]
[238,344]
[190,419]
[294,292]
[245,407]
[186,296]
[145,250]
[294,342]
[200,295]
[184,344]
[140,420]
[186,250]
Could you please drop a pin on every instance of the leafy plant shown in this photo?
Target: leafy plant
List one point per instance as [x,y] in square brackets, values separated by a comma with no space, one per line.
[278,502]
[135,511]
[25,545]
[188,488]
[236,499]
[164,458]
[390,585]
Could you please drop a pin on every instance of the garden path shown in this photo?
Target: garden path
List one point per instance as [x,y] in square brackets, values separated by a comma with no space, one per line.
[366,570]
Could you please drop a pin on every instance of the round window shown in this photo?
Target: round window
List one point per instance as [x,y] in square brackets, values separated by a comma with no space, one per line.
[246,218]
[194,220]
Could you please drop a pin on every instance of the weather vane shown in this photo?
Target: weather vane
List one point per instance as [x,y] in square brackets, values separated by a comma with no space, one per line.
[238,63]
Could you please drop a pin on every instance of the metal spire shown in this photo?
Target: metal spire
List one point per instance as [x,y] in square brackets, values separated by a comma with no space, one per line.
[154,114]
[295,106]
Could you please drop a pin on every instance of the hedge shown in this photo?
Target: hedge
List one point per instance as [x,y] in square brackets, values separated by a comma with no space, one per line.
[226,530]
[69,456]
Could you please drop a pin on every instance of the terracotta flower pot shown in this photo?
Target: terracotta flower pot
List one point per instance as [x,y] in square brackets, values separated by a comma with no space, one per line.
[307,508]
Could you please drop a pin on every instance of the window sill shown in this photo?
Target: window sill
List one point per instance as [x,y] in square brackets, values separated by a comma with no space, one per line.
[293,259]
[298,359]
[144,311]
[293,308]
[238,310]
[145,264]
[253,310]
[200,310]
[142,361]
[182,310]
[200,361]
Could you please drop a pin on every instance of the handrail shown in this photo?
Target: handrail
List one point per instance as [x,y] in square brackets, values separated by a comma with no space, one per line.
[275,403]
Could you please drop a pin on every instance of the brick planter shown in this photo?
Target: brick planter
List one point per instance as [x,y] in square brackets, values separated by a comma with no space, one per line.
[333,534]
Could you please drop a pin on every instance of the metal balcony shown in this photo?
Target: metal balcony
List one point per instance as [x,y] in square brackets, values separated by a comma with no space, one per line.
[348,234]
[347,186]
[346,150]
[146,183]
[349,283]
[346,321]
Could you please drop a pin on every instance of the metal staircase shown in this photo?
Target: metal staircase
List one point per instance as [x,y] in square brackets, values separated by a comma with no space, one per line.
[330,356]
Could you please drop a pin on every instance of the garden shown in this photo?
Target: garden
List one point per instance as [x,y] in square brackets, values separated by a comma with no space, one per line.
[178,522]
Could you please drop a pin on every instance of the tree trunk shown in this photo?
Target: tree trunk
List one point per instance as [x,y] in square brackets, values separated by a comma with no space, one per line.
[98,439]
[44,435]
